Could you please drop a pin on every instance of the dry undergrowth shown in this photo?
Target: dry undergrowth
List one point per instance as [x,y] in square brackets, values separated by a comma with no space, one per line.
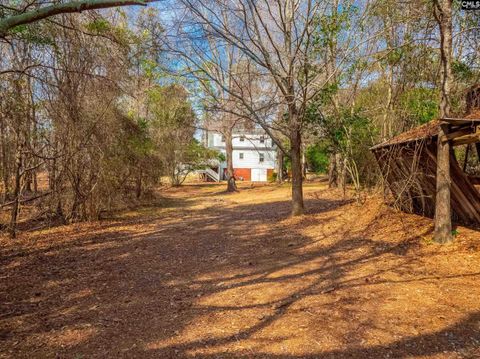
[213,275]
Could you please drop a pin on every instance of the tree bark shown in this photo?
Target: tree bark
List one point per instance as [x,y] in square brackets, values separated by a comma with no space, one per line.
[332,171]
[231,185]
[28,181]
[343,176]
[304,165]
[339,170]
[279,166]
[12,228]
[138,185]
[297,175]
[28,17]
[35,182]
[443,218]
[443,221]
[443,15]
[5,167]
[293,116]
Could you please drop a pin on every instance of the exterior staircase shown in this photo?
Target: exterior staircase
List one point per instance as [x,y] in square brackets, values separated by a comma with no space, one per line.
[208,172]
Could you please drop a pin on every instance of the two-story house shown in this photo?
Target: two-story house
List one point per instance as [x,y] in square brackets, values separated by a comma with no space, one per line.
[254,154]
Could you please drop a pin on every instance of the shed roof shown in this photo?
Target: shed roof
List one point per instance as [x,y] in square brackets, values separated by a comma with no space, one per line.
[428,130]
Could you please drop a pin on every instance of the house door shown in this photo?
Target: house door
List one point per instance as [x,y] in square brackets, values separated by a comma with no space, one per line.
[259,175]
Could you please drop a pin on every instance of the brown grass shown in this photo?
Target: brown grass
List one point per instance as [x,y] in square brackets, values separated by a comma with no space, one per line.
[213,275]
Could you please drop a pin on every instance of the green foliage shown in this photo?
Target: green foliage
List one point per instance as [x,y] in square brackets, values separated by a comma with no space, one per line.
[138,139]
[170,108]
[325,96]
[355,129]
[171,128]
[317,157]
[32,34]
[420,104]
[328,27]
[461,71]
[98,26]
[347,132]
[197,156]
[395,56]
[272,177]
[149,68]
[221,157]
[19,29]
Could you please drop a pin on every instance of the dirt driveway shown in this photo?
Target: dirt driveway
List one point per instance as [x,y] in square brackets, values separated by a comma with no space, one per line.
[212,275]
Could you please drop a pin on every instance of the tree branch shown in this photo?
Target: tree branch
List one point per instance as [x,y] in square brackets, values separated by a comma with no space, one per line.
[10,22]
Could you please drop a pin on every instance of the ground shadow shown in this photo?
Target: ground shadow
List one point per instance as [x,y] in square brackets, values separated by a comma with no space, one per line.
[144,289]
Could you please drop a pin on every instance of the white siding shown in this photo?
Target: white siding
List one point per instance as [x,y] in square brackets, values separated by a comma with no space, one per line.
[215,140]
[251,141]
[251,159]
[251,147]
[259,175]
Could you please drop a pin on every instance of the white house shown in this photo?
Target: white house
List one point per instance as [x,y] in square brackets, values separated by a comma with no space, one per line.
[254,154]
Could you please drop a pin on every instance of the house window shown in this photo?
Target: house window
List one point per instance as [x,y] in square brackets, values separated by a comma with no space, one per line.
[240,155]
[223,138]
[242,138]
[261,157]
[262,139]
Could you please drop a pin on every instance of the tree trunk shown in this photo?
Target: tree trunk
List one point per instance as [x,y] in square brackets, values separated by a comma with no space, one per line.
[52,169]
[231,185]
[138,185]
[35,182]
[12,229]
[343,176]
[5,167]
[339,170]
[443,221]
[443,15]
[279,166]
[297,175]
[59,212]
[332,171]
[28,182]
[304,165]
[387,127]
[443,218]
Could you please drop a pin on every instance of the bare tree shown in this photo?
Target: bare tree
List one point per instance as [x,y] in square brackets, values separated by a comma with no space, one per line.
[63,116]
[443,221]
[277,36]
[223,77]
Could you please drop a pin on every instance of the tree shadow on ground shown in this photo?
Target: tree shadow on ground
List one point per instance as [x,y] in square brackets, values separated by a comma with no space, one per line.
[146,291]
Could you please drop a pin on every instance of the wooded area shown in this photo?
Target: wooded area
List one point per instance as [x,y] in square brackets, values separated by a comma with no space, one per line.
[328,79]
[106,108]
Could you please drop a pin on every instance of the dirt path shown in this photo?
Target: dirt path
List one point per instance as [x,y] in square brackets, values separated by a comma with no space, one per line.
[211,275]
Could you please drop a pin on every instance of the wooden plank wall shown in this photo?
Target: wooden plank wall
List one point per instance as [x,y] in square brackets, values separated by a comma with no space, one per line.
[409,169]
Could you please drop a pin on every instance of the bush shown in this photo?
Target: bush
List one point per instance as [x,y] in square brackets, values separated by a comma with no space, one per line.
[317,158]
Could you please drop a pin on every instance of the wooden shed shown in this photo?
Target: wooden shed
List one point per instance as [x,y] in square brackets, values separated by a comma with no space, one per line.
[408,164]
